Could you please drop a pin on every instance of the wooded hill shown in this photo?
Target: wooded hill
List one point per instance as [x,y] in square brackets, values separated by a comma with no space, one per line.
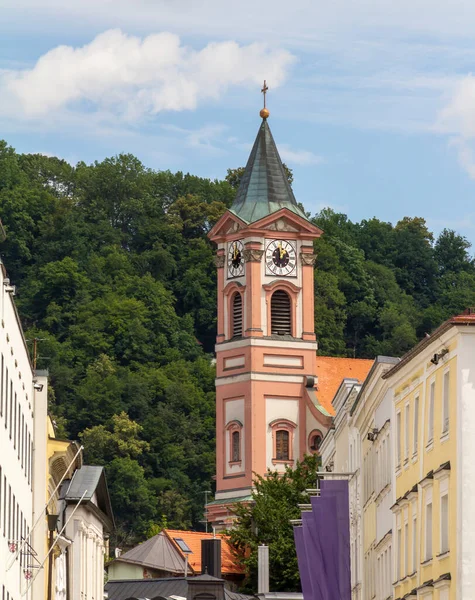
[116,277]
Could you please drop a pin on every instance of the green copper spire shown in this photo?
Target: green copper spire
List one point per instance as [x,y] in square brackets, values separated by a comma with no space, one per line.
[264,188]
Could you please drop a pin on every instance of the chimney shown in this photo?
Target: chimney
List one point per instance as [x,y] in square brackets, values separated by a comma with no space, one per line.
[211,557]
[205,587]
[263,570]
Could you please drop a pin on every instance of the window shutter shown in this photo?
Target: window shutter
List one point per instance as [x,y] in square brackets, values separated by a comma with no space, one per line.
[237,315]
[281,323]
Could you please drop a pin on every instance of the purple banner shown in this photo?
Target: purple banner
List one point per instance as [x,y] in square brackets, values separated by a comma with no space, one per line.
[323,544]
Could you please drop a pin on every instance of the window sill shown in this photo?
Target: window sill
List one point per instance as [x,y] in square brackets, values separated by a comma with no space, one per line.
[414,457]
[278,461]
[443,555]
[235,463]
[430,445]
[427,562]
[444,437]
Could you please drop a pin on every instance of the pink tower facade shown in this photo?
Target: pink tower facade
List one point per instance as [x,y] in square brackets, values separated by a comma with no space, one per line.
[267,411]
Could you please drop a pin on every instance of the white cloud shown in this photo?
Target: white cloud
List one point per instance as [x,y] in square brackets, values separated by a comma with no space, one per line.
[299,157]
[203,138]
[132,77]
[458,120]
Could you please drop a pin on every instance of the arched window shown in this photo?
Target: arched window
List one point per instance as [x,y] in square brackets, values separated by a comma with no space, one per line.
[282,446]
[315,441]
[281,314]
[237,315]
[236,446]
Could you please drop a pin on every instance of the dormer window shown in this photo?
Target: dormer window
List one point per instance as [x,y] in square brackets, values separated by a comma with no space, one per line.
[281,313]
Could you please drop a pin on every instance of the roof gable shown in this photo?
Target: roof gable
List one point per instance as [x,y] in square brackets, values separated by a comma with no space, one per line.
[90,481]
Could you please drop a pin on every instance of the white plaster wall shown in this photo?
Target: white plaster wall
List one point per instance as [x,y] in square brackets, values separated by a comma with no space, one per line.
[312,424]
[14,351]
[466,466]
[86,554]
[277,408]
[234,411]
[384,516]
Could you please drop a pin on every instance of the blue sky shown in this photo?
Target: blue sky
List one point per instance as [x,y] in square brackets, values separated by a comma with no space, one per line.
[372,102]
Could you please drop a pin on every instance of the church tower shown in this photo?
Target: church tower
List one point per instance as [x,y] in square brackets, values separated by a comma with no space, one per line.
[267,411]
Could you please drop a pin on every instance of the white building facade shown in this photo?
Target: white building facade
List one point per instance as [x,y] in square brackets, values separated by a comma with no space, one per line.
[340,455]
[19,451]
[359,445]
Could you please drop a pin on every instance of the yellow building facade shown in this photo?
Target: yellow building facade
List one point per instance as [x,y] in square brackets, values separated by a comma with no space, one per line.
[433,407]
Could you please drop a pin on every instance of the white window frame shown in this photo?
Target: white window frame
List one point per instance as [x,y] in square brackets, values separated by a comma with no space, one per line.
[415,426]
[444,523]
[431,413]
[406,547]
[398,440]
[446,402]
[398,555]
[406,432]
[414,540]
[428,527]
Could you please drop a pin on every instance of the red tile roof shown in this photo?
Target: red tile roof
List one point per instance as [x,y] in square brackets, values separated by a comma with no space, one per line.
[229,563]
[332,370]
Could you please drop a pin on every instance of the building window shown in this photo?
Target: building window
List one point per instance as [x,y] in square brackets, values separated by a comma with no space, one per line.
[406,432]
[414,544]
[416,425]
[398,556]
[282,449]
[445,404]
[428,529]
[281,313]
[236,446]
[237,315]
[430,422]
[315,441]
[234,433]
[444,523]
[406,548]
[398,439]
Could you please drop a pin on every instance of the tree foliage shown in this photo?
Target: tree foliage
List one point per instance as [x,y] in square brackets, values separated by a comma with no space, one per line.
[115,275]
[266,520]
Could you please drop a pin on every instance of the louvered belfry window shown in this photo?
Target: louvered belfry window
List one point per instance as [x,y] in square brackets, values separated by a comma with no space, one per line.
[282,444]
[236,446]
[237,315]
[280,308]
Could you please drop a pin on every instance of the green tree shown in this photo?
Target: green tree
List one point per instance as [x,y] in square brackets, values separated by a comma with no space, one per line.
[266,520]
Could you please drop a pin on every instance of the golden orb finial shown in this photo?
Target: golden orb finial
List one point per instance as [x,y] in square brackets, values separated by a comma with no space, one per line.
[264,112]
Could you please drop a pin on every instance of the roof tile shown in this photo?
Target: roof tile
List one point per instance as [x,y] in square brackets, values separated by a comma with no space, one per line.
[332,370]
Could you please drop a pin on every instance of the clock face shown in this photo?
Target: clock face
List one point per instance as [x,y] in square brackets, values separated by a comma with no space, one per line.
[281,258]
[235,259]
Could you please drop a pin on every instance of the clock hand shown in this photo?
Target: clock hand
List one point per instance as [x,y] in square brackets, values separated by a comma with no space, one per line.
[281,251]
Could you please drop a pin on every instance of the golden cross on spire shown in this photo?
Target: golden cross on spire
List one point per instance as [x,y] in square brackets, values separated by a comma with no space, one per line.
[264,91]
[264,112]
